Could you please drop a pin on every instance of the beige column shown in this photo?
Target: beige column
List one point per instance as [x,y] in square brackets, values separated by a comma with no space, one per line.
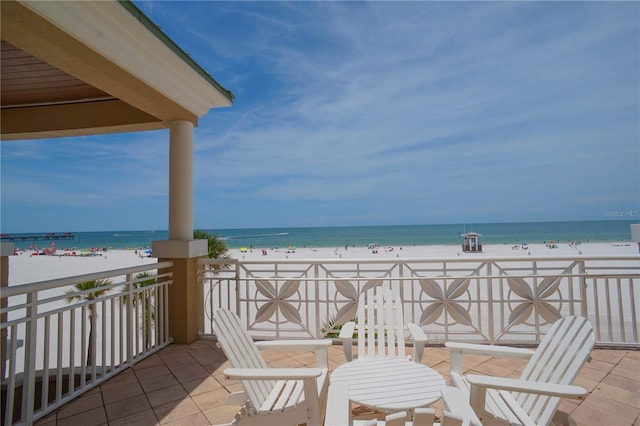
[186,303]
[181,180]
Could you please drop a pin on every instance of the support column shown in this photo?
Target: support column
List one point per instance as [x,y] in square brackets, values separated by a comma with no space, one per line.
[185,294]
[181,180]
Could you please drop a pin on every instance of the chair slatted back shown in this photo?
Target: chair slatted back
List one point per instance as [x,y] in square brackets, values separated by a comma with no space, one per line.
[380,324]
[242,352]
[558,359]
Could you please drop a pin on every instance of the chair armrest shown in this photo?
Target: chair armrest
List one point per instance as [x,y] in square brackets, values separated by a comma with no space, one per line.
[489,350]
[455,403]
[294,345]
[347,330]
[417,333]
[419,340]
[272,373]
[337,412]
[346,337]
[527,386]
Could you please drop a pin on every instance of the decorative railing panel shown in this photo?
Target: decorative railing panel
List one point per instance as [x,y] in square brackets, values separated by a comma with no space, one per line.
[59,340]
[499,300]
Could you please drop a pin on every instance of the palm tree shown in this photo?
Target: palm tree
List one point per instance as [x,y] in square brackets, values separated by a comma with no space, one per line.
[217,247]
[144,279]
[81,294]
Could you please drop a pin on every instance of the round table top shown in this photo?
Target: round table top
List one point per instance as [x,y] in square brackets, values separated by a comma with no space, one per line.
[389,383]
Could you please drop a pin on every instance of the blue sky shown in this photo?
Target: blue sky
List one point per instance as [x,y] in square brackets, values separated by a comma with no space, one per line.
[357,113]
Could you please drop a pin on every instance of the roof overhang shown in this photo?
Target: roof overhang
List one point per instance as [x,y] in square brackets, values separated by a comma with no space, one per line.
[77,68]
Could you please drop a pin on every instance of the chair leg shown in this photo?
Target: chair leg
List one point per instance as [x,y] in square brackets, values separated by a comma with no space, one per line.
[238,420]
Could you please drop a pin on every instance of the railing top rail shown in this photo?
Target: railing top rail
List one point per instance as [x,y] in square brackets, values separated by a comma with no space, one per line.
[61,282]
[438,278]
[423,260]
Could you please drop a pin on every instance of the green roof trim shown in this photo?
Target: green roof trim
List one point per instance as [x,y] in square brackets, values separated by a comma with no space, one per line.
[155,29]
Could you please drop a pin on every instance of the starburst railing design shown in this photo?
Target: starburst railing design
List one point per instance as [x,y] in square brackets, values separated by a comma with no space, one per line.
[487,300]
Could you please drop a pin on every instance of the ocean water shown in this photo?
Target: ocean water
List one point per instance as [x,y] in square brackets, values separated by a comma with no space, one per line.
[400,235]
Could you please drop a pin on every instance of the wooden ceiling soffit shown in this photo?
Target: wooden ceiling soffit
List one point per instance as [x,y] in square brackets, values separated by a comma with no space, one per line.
[28,31]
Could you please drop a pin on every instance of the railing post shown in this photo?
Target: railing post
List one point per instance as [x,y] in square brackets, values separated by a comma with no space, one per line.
[130,322]
[490,321]
[28,383]
[237,289]
[583,289]
[6,250]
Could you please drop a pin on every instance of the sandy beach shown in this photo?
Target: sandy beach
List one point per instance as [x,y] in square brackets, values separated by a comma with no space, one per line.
[440,251]
[25,268]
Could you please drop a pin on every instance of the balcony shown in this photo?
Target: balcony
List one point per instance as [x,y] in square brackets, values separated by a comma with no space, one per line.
[137,375]
[184,385]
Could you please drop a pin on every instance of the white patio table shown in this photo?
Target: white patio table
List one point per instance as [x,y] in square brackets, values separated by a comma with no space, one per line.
[389,384]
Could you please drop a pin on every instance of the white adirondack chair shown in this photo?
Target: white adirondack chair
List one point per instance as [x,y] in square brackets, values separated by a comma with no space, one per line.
[272,396]
[456,411]
[380,327]
[532,399]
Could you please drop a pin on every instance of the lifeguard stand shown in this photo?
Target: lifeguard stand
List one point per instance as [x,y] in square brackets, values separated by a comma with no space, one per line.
[471,242]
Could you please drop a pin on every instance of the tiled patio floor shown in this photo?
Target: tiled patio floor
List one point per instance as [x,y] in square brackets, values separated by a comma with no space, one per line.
[184,385]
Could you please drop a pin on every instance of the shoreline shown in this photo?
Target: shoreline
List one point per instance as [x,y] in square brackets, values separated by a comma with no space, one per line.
[563,232]
[25,268]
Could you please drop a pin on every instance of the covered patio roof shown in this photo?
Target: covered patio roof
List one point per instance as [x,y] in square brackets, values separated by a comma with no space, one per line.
[81,68]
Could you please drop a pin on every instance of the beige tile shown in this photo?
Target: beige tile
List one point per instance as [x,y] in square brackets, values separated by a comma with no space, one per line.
[150,383]
[127,407]
[596,410]
[195,419]
[632,354]
[435,356]
[123,378]
[221,415]
[624,396]
[592,374]
[49,420]
[507,367]
[470,362]
[143,418]
[199,386]
[150,361]
[153,370]
[165,395]
[628,367]
[81,404]
[209,400]
[568,405]
[607,355]
[623,382]
[175,410]
[288,363]
[117,393]
[188,372]
[95,417]
[306,358]
[599,365]
[205,354]
[589,385]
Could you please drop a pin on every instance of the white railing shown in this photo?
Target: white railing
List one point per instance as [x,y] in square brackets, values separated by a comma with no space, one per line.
[60,340]
[490,300]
